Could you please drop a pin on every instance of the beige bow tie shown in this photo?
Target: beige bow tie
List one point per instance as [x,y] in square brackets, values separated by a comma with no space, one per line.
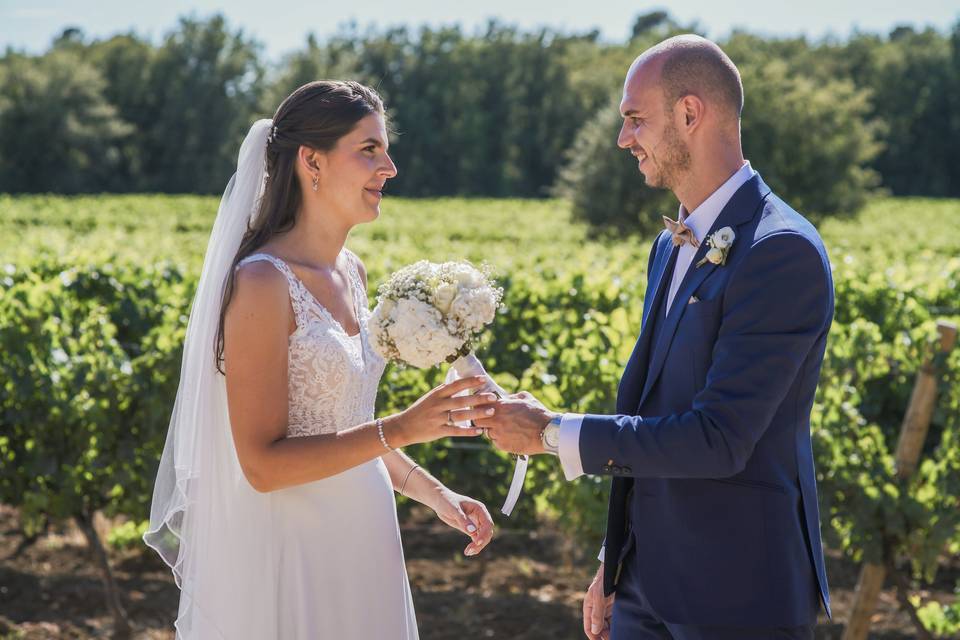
[681,233]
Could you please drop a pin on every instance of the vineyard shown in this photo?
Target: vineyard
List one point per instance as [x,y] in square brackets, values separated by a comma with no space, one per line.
[95,292]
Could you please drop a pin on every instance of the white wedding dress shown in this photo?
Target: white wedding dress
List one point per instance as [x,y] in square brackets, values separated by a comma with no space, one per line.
[339,565]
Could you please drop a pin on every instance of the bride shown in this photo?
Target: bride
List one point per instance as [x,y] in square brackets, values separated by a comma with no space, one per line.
[274,499]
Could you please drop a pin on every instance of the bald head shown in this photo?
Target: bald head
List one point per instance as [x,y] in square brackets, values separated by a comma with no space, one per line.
[691,65]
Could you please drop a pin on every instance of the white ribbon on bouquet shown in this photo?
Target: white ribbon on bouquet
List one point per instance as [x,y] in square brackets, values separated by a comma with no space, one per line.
[470,365]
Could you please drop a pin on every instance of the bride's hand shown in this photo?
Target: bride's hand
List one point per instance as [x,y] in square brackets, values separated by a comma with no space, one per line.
[433,416]
[468,516]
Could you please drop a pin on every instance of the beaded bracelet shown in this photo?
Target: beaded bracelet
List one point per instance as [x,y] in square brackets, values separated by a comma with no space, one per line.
[383,439]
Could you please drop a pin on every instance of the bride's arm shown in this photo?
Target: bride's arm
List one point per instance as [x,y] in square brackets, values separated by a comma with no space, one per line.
[460,512]
[257,326]
[411,480]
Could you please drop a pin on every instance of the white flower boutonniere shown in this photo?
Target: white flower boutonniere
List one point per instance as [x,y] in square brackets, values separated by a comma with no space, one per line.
[719,242]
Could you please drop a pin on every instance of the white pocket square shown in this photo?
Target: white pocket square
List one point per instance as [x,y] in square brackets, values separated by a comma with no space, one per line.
[693,300]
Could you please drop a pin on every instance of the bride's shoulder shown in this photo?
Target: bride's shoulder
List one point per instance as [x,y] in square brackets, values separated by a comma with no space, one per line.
[260,303]
[258,281]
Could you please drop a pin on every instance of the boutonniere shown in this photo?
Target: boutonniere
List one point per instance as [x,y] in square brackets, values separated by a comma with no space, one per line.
[719,242]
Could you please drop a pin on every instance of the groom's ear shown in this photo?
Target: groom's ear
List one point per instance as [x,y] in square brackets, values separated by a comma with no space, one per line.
[691,110]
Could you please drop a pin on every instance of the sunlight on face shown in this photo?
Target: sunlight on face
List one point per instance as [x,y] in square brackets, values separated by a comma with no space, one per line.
[356,170]
[648,130]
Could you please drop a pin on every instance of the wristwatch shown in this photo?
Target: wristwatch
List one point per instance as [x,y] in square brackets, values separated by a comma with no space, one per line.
[550,436]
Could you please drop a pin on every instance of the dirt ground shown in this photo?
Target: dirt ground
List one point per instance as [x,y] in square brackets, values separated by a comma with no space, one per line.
[526,586]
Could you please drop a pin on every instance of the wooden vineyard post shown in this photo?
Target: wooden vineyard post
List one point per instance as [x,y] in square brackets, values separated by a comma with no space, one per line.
[920,410]
[913,432]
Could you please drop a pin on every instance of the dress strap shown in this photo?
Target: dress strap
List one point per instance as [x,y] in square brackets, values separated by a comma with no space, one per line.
[359,290]
[294,286]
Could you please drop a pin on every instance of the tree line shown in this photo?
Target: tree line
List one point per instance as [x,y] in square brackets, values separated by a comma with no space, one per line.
[493,113]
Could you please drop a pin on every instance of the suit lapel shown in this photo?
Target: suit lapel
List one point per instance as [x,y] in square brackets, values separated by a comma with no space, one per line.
[657,287]
[740,209]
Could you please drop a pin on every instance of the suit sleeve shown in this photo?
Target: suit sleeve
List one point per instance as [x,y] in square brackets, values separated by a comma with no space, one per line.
[776,306]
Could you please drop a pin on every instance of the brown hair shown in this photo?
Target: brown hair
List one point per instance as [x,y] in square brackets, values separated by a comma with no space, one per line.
[316,115]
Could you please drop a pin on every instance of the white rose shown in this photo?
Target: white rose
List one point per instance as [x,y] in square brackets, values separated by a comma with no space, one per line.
[474,309]
[485,306]
[387,307]
[723,238]
[443,297]
[715,256]
[467,276]
[429,348]
[420,336]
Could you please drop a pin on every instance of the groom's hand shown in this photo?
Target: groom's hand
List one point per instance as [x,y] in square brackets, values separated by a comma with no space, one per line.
[517,424]
[597,610]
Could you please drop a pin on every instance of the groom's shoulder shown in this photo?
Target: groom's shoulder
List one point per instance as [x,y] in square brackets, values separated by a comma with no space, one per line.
[780,219]
[782,235]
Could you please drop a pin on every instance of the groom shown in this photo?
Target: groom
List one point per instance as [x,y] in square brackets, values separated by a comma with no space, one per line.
[713,530]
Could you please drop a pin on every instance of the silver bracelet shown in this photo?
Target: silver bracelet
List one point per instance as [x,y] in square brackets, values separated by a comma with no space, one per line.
[383,439]
[403,486]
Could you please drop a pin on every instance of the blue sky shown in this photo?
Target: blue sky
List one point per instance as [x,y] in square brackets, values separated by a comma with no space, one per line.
[282,25]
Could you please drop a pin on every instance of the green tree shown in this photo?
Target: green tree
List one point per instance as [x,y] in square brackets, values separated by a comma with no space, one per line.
[124,62]
[812,141]
[335,59]
[912,81]
[489,113]
[205,86]
[57,131]
[913,78]
[647,22]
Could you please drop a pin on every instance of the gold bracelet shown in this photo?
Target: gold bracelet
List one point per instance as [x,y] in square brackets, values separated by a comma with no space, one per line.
[404,485]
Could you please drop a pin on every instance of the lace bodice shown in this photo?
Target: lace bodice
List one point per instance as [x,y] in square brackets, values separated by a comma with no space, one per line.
[332,377]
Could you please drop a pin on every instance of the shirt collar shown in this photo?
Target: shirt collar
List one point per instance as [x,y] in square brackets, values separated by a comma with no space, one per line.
[702,218]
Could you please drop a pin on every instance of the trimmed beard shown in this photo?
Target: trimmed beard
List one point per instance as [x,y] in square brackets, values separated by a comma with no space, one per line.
[674,161]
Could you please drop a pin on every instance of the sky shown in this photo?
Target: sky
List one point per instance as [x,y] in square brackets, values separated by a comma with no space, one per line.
[282,25]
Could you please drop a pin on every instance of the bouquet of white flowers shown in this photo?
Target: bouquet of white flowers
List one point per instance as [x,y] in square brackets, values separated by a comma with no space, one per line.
[428,313]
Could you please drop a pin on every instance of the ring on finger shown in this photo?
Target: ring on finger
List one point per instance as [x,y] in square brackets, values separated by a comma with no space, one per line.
[450,422]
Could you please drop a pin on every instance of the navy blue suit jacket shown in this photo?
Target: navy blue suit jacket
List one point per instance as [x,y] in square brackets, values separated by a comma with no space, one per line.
[711,452]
